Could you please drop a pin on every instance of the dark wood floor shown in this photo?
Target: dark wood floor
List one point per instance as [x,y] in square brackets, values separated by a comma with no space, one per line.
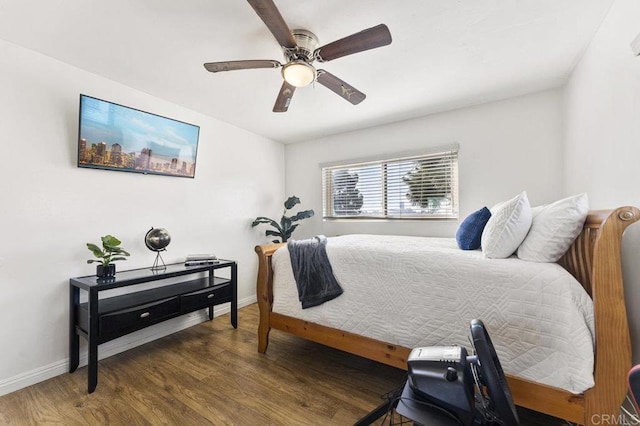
[213,374]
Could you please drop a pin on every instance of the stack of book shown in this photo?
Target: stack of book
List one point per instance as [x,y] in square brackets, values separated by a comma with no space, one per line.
[200,259]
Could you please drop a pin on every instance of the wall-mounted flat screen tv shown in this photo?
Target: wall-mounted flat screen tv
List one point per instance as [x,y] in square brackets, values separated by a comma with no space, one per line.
[116,137]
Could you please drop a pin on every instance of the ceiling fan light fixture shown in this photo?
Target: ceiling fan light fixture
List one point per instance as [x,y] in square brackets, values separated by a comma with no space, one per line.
[298,73]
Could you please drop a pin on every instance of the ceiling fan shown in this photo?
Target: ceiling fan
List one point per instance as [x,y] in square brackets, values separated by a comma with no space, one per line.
[301,49]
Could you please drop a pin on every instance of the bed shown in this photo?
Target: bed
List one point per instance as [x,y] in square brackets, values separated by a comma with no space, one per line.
[593,259]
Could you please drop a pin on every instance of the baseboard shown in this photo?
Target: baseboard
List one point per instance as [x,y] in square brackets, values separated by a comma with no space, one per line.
[122,344]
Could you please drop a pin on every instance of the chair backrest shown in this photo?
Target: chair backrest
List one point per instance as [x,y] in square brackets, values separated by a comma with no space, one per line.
[633,378]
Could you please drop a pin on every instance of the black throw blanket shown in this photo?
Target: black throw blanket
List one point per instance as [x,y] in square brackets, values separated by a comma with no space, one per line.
[312,271]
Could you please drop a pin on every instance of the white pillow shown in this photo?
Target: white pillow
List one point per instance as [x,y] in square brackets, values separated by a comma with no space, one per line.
[509,223]
[554,228]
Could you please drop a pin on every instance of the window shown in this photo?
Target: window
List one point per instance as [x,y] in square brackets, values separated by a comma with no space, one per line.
[408,186]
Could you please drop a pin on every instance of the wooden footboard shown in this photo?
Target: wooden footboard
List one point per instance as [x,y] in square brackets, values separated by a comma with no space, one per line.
[594,259]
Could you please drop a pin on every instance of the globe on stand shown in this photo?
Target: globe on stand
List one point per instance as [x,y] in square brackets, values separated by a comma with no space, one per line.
[157,239]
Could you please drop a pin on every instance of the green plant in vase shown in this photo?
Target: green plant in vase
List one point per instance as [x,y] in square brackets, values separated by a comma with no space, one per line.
[110,252]
[285,228]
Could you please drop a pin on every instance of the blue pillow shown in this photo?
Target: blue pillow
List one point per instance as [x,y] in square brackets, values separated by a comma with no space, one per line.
[470,230]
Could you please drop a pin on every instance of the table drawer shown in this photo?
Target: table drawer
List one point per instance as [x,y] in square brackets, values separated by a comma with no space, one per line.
[206,297]
[139,316]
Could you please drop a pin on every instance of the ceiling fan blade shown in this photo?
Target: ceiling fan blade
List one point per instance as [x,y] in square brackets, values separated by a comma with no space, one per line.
[268,12]
[241,65]
[284,97]
[340,88]
[364,40]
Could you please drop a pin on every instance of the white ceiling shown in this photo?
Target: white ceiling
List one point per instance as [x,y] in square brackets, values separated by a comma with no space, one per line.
[445,54]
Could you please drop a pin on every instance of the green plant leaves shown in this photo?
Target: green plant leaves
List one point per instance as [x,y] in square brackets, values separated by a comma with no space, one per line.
[110,241]
[285,228]
[291,201]
[263,219]
[302,215]
[289,231]
[110,251]
[97,252]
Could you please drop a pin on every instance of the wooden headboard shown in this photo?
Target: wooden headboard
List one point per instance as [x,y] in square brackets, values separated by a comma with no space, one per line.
[579,259]
[595,260]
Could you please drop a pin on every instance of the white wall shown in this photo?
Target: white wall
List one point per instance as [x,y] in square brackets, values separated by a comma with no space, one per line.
[50,208]
[505,147]
[602,134]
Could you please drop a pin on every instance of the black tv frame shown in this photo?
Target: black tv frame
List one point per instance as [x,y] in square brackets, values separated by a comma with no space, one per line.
[127,156]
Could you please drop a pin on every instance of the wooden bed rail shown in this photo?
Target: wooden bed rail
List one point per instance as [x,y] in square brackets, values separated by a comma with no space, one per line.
[594,259]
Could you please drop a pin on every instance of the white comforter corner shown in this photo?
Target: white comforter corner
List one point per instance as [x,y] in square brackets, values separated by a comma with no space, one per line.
[416,291]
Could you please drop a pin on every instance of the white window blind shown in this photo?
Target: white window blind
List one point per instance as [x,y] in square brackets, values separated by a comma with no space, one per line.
[413,186]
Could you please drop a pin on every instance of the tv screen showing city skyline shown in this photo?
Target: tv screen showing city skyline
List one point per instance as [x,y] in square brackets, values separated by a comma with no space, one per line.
[116,137]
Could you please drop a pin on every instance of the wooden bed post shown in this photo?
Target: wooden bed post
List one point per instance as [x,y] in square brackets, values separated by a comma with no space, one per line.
[264,292]
[613,343]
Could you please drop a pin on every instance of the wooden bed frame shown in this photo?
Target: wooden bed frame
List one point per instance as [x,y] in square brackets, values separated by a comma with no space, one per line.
[594,259]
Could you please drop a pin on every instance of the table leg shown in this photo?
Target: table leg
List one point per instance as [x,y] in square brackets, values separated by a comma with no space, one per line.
[93,340]
[211,282]
[74,339]
[234,295]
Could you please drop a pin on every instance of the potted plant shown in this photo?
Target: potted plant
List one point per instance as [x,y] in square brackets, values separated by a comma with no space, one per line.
[110,252]
[285,228]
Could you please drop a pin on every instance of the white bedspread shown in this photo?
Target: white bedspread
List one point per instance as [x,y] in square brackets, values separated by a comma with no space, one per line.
[415,291]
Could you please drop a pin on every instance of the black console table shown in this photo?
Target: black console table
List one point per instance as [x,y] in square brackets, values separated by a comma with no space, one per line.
[100,320]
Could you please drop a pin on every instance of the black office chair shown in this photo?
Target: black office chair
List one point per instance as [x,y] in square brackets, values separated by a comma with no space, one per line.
[629,409]
[445,386]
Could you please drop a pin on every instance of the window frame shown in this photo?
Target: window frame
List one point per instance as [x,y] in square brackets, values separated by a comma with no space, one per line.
[448,152]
